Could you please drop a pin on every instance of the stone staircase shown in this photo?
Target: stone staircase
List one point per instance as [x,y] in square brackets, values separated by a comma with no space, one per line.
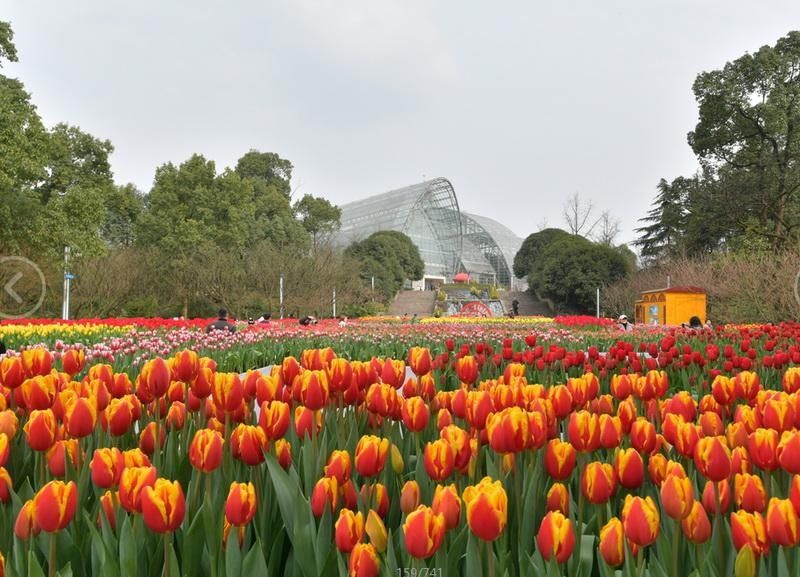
[529,305]
[409,303]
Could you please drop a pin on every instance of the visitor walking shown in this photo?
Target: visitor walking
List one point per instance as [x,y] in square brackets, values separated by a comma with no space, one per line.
[623,323]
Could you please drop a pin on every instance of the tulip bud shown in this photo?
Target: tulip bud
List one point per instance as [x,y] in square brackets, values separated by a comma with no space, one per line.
[364,561]
[487,508]
[447,502]
[612,542]
[240,506]
[55,505]
[424,532]
[163,506]
[598,482]
[696,525]
[558,498]
[348,530]
[376,530]
[749,493]
[749,529]
[745,564]
[556,537]
[6,485]
[409,497]
[205,450]
[26,523]
[397,460]
[325,493]
[640,520]
[782,523]
[106,466]
[677,496]
[371,453]
[559,459]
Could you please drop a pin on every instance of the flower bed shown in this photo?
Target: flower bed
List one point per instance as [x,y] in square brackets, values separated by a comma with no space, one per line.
[529,454]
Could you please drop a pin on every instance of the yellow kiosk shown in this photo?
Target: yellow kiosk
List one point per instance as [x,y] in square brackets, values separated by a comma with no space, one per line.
[671,306]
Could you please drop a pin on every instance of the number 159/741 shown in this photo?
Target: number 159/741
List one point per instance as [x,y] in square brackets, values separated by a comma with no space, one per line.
[423,572]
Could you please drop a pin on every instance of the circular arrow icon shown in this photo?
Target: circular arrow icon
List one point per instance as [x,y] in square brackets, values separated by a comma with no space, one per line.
[23,289]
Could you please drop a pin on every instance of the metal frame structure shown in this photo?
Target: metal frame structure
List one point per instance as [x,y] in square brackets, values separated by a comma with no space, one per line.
[449,241]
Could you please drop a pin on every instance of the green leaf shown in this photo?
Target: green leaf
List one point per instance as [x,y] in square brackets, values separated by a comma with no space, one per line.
[586,562]
[127,548]
[233,555]
[254,563]
[34,569]
[474,566]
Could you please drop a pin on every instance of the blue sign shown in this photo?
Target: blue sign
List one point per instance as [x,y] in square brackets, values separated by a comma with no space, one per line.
[69,276]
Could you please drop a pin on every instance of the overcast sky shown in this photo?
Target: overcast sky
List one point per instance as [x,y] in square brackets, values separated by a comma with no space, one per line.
[519,104]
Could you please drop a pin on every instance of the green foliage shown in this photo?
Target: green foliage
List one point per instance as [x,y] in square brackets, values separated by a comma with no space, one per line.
[533,247]
[570,270]
[318,216]
[391,258]
[7,49]
[747,193]
[269,169]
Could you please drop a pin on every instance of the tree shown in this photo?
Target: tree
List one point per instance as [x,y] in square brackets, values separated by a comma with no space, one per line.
[74,192]
[318,216]
[571,269]
[533,247]
[607,229]
[268,168]
[123,206]
[749,127]
[658,240]
[8,51]
[390,257]
[578,216]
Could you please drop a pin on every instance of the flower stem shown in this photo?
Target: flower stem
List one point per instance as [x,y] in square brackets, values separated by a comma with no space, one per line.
[675,544]
[167,552]
[51,559]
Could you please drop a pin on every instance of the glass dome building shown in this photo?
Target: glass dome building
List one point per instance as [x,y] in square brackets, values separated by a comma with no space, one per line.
[449,241]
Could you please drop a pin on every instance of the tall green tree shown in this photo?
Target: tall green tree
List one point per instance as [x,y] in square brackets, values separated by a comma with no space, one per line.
[318,216]
[75,190]
[749,128]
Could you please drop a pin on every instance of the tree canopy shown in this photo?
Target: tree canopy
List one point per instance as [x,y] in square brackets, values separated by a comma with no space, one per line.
[532,248]
[200,237]
[746,194]
[391,258]
[571,268]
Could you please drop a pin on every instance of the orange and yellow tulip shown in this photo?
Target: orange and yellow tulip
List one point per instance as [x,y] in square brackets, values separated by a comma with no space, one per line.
[556,537]
[640,520]
[424,532]
[371,453]
[240,506]
[487,508]
[612,542]
[447,502]
[749,529]
[783,525]
[55,505]
[163,506]
[349,530]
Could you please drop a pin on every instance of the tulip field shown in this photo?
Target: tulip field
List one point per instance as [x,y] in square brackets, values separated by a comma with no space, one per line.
[540,447]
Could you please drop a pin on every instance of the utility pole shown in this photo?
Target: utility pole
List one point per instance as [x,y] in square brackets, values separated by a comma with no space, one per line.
[598,302]
[68,276]
[334,302]
[280,294]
